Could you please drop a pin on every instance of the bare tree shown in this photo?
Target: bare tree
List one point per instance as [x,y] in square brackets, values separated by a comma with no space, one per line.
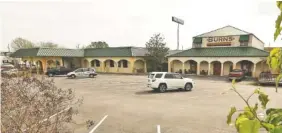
[99,44]
[36,105]
[21,43]
[48,45]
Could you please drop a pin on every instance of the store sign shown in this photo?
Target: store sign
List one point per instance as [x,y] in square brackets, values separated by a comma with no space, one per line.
[178,20]
[220,39]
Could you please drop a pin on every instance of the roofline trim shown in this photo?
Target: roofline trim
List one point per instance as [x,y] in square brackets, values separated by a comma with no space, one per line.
[222,28]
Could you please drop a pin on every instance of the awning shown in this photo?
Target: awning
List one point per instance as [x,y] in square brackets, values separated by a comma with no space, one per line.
[244,38]
[197,40]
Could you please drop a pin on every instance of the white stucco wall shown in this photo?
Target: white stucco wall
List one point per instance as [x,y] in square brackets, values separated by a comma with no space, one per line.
[256,42]
[220,59]
[176,65]
[226,68]
[204,66]
[234,43]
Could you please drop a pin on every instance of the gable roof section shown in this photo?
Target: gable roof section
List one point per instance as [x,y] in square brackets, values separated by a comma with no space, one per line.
[222,52]
[224,31]
[60,52]
[25,52]
[227,31]
[48,52]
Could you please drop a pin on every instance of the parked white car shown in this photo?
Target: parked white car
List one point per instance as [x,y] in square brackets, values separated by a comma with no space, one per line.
[83,72]
[163,81]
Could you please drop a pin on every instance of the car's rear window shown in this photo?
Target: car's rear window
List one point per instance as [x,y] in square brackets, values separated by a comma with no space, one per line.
[159,75]
[236,70]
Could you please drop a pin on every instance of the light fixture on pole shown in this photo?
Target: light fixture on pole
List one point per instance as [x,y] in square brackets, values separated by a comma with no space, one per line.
[178,21]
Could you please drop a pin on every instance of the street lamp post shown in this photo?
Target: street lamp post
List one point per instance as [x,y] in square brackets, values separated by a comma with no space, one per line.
[178,21]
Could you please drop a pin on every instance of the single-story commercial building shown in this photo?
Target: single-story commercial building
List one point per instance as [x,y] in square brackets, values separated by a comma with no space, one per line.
[113,59]
[219,51]
[213,53]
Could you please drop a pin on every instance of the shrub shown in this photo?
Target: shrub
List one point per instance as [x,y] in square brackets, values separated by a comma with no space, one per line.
[248,120]
[35,105]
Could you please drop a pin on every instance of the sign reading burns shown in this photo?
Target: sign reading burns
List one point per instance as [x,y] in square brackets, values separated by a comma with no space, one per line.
[220,41]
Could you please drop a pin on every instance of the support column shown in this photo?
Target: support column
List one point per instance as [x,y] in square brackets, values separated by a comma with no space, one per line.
[254,71]
[145,67]
[61,62]
[198,68]
[183,64]
[262,66]
[221,71]
[44,65]
[169,66]
[209,68]
[102,66]
[234,65]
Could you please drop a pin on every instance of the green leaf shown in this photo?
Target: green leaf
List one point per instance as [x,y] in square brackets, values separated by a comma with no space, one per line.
[267,126]
[273,110]
[249,126]
[274,116]
[248,112]
[279,5]
[241,118]
[233,83]
[277,129]
[263,98]
[277,119]
[278,78]
[255,108]
[257,91]
[230,114]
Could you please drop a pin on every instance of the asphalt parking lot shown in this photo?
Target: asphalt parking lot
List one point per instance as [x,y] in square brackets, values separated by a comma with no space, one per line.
[133,108]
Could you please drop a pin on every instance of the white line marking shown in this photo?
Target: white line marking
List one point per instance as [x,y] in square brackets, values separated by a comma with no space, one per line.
[55,115]
[193,97]
[98,124]
[158,129]
[49,117]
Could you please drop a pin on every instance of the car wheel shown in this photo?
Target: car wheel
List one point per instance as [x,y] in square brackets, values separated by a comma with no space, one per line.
[162,88]
[188,87]
[50,74]
[91,76]
[73,76]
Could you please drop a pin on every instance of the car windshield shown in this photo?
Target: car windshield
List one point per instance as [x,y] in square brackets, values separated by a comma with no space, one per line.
[78,70]
[151,75]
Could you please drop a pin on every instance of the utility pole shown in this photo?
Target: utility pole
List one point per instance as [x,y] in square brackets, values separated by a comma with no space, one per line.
[177,36]
[178,21]
[9,48]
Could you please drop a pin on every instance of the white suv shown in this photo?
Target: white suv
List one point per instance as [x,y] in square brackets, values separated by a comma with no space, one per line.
[166,80]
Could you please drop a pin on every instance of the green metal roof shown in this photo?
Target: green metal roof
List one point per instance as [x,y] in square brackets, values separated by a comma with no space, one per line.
[60,52]
[32,52]
[108,52]
[25,52]
[222,52]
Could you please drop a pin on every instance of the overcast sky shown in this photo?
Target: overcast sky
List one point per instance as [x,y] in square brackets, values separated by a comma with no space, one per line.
[132,22]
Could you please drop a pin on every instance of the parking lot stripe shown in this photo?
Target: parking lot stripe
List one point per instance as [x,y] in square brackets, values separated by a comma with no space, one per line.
[158,129]
[98,124]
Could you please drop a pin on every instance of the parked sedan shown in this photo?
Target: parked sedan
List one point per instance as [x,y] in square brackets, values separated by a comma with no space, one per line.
[83,72]
[58,71]
[236,74]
